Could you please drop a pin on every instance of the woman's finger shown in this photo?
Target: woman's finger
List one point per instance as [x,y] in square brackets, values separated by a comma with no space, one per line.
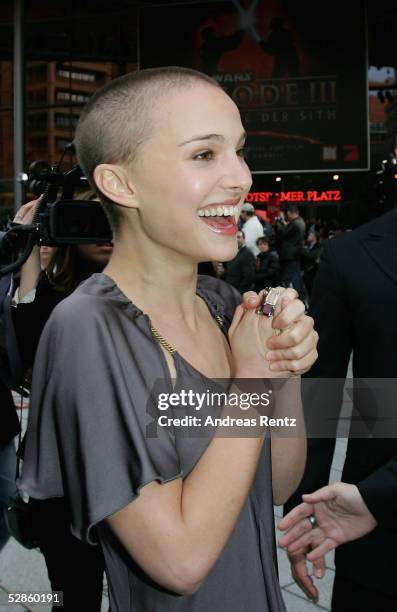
[296,351]
[295,366]
[293,334]
[287,296]
[251,300]
[288,315]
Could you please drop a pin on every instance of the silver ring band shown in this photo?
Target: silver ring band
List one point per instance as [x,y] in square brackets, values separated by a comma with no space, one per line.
[313,521]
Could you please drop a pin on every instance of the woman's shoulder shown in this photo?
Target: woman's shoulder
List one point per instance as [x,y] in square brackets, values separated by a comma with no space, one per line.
[96,322]
[98,289]
[95,302]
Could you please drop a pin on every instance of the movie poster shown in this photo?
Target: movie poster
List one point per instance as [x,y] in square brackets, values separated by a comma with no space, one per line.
[297,71]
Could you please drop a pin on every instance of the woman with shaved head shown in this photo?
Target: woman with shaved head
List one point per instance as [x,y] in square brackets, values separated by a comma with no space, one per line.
[184,514]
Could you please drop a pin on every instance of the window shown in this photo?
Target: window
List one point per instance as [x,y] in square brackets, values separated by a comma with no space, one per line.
[79,74]
[66,95]
[76,76]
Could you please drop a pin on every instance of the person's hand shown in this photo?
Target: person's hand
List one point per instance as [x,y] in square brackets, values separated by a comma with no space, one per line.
[341,516]
[300,574]
[248,336]
[26,213]
[31,269]
[295,349]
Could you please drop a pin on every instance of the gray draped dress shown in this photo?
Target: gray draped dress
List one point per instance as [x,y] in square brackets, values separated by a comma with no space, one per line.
[90,439]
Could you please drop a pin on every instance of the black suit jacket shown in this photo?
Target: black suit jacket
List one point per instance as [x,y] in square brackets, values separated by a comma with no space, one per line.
[291,240]
[354,305]
[240,272]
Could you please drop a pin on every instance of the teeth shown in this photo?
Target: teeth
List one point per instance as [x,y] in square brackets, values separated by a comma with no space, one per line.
[219,211]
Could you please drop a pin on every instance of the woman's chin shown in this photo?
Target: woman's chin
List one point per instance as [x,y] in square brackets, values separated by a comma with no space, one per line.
[218,250]
[227,252]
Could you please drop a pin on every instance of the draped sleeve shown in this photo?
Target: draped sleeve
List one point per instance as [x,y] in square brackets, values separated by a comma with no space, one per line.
[93,404]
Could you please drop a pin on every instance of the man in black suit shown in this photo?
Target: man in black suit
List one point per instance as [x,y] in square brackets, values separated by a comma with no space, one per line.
[240,271]
[354,305]
[290,236]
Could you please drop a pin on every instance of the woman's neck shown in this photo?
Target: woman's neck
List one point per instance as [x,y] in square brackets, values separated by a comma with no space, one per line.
[160,286]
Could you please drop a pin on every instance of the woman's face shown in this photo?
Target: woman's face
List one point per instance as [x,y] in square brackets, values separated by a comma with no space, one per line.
[190,178]
[97,255]
[46,253]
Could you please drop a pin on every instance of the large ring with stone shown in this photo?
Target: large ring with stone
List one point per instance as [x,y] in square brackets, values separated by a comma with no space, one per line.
[313,521]
[268,303]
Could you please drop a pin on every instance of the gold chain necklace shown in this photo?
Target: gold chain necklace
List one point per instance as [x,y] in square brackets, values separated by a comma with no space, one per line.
[168,347]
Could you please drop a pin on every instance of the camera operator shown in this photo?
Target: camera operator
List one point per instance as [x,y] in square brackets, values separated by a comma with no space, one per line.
[73,567]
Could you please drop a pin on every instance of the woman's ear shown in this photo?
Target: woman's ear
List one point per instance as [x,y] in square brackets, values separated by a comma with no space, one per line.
[113,182]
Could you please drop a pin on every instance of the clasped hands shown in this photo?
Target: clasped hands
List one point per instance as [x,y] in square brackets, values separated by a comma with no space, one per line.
[286,342]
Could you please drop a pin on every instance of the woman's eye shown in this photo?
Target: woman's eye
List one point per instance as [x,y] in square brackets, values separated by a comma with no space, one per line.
[242,152]
[204,155]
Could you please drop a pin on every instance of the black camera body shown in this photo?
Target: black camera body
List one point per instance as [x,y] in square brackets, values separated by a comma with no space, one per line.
[74,222]
[66,220]
[58,221]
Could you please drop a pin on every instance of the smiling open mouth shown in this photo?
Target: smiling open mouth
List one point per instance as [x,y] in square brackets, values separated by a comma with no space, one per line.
[220,219]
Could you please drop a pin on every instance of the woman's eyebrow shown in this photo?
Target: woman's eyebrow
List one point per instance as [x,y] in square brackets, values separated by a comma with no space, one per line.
[217,137]
[204,137]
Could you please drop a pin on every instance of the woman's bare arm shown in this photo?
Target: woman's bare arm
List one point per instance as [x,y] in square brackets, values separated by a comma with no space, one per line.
[177,531]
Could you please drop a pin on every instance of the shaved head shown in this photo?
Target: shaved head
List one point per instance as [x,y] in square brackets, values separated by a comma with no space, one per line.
[120,117]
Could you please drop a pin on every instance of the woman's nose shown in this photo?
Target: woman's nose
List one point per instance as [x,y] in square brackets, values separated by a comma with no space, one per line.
[237,175]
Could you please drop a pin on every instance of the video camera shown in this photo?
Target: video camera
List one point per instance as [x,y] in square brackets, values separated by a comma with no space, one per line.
[58,221]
